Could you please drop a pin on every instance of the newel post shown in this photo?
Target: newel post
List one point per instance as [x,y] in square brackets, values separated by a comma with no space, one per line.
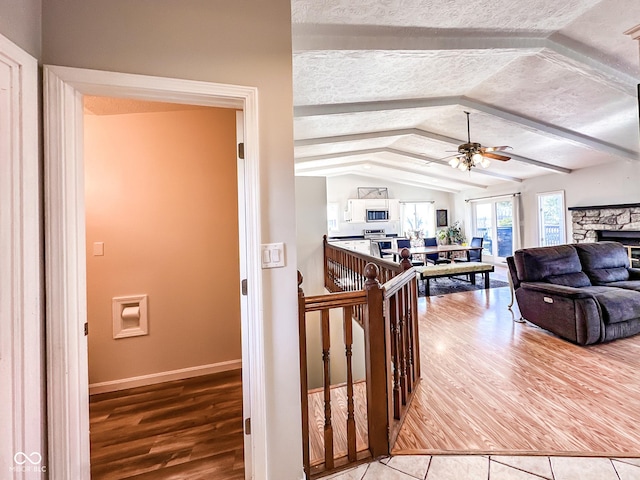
[377,353]
[405,262]
[304,389]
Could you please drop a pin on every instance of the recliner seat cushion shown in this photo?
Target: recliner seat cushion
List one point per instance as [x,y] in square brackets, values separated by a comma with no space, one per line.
[618,305]
[604,262]
[559,265]
[628,285]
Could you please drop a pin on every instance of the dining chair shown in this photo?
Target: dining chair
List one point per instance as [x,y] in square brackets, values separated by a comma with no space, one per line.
[375,250]
[434,257]
[473,255]
[385,245]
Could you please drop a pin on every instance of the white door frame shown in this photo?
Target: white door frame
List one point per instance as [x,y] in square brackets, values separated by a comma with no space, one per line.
[66,311]
[21,319]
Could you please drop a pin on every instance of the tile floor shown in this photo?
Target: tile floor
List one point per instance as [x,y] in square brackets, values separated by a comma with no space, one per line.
[494,467]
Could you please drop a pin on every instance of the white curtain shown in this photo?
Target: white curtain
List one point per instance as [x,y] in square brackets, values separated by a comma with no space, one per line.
[516,239]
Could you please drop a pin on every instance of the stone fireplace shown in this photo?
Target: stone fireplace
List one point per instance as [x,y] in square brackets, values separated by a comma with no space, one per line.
[620,223]
[588,221]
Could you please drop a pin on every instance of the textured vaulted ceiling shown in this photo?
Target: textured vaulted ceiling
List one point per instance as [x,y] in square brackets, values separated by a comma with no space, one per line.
[381,87]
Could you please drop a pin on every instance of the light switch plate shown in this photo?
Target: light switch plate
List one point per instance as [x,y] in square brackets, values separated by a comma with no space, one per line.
[272,255]
[98,249]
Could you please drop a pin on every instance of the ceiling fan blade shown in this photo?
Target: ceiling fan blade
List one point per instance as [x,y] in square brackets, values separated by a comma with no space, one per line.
[495,149]
[495,156]
[450,156]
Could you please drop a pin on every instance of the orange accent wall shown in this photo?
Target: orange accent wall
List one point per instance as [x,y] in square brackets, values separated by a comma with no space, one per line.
[161,193]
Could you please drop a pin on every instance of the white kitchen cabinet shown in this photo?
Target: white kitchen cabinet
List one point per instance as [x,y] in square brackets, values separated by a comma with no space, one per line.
[394,210]
[357,210]
[362,246]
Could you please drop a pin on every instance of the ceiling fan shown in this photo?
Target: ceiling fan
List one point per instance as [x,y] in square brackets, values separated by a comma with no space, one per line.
[472,154]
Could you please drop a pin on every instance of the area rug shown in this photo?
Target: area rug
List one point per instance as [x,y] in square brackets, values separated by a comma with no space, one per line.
[445,285]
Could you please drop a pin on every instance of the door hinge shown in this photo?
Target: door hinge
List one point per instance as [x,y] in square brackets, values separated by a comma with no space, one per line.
[86,329]
[243,287]
[241,150]
[247,426]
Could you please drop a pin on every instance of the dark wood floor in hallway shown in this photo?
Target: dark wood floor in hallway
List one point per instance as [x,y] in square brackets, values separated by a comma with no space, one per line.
[186,429]
[490,385]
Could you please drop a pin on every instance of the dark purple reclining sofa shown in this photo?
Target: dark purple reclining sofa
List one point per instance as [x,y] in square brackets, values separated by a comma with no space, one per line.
[585,293]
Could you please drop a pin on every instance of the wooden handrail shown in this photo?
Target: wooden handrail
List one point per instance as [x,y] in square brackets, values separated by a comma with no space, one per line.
[388,314]
[334,300]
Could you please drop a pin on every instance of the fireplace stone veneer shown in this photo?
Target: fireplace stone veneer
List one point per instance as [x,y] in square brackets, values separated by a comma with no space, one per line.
[588,221]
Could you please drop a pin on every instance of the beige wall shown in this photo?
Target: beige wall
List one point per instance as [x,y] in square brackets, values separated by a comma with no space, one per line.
[241,42]
[161,193]
[311,225]
[311,222]
[20,22]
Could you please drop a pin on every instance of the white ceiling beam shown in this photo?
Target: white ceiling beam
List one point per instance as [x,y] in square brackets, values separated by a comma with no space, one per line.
[531,124]
[481,171]
[412,183]
[519,158]
[306,167]
[587,61]
[421,133]
[310,37]
[551,130]
[331,156]
[354,137]
[390,173]
[358,107]
[403,153]
[313,37]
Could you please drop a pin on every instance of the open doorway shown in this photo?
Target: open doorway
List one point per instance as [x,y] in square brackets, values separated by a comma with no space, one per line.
[65,247]
[163,303]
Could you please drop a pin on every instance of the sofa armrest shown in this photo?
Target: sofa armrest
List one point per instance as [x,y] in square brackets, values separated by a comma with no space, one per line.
[554,289]
[570,312]
[634,273]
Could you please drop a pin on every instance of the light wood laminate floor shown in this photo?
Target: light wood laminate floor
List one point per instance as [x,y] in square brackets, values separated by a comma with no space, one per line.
[186,429]
[490,385]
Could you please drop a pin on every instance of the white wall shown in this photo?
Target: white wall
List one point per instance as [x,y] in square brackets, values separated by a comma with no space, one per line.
[608,184]
[341,189]
[243,42]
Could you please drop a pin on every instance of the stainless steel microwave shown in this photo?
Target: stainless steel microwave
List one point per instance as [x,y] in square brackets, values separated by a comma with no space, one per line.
[378,215]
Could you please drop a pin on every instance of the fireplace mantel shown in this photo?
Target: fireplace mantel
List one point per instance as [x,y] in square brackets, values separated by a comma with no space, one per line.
[605,207]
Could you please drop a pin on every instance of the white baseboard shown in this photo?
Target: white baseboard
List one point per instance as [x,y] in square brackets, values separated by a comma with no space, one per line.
[153,378]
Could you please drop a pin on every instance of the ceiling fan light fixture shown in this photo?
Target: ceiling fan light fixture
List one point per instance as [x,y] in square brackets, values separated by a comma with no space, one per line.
[473,154]
[477,158]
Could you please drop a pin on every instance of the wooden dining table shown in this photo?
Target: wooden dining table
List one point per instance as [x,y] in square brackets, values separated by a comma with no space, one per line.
[448,249]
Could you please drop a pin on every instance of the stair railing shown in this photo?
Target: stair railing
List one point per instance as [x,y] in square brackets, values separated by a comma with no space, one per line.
[388,314]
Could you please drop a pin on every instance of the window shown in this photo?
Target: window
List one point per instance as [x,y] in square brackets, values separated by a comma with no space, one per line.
[418,217]
[494,221]
[551,224]
[333,216]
